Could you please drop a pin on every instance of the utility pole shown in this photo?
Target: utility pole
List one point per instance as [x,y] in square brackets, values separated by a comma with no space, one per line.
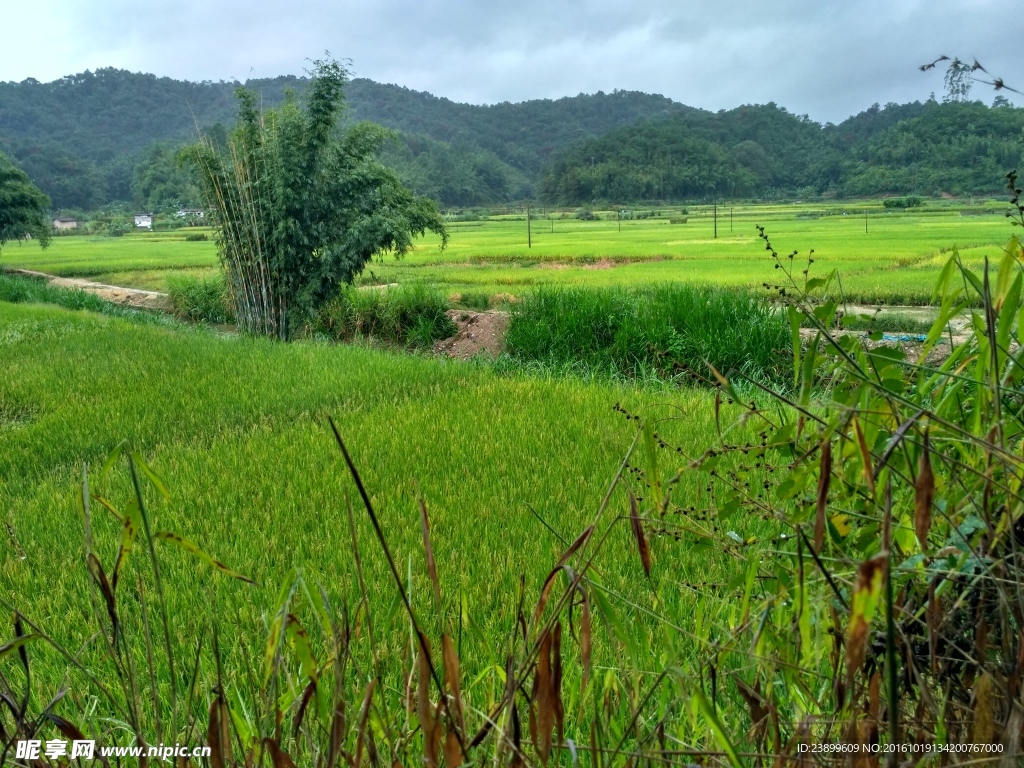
[619,214]
[865,221]
[730,218]
[529,238]
[716,219]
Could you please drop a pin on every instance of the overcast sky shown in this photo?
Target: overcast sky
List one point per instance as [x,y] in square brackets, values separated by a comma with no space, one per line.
[825,58]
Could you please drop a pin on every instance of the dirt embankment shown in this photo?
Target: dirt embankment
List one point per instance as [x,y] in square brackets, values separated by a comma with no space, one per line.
[129,297]
[479,333]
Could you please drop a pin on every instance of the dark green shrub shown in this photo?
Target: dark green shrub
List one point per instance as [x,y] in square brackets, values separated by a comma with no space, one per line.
[474,300]
[200,300]
[408,315]
[196,237]
[672,329]
[910,201]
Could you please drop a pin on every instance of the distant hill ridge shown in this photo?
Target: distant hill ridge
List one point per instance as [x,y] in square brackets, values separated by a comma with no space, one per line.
[87,130]
[109,135]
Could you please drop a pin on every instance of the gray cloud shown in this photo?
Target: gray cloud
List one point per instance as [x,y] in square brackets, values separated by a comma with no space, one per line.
[825,59]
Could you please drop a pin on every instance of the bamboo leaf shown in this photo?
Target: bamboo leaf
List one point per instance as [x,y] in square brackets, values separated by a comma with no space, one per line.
[586,641]
[111,459]
[428,725]
[17,643]
[218,737]
[151,476]
[717,729]
[278,757]
[653,473]
[795,320]
[431,563]
[453,681]
[196,550]
[545,705]
[865,455]
[924,492]
[865,602]
[299,640]
[824,480]
[636,524]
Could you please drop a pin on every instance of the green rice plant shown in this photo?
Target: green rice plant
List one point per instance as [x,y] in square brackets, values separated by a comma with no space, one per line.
[201,407]
[836,574]
[478,300]
[407,315]
[674,329]
[897,262]
[200,299]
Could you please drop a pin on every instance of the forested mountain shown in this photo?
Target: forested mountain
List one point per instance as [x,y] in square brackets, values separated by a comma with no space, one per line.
[763,151]
[957,148]
[745,152]
[82,138]
[113,135]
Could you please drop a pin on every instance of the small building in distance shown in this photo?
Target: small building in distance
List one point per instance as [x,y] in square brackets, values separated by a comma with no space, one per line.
[144,220]
[62,222]
[190,213]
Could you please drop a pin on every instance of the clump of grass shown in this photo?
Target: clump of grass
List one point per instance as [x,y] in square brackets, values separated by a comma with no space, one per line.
[407,315]
[18,289]
[200,299]
[889,322]
[673,329]
[477,300]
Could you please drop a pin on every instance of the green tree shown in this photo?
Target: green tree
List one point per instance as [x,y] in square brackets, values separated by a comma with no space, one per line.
[158,182]
[23,207]
[301,206]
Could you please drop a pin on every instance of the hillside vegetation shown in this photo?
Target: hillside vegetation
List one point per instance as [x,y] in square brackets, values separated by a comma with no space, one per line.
[102,136]
[111,135]
[764,151]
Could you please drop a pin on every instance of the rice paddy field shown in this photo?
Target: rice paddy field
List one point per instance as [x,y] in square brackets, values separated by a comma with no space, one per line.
[895,261]
[511,464]
[237,429]
[237,426]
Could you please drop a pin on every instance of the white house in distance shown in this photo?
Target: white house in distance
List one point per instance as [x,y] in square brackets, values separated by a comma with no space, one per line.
[190,213]
[62,222]
[144,220]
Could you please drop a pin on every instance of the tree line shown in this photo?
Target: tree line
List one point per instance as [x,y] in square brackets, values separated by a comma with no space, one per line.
[928,148]
[99,137]
[112,135]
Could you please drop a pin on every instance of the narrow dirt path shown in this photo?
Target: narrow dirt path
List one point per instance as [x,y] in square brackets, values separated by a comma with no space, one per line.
[128,297]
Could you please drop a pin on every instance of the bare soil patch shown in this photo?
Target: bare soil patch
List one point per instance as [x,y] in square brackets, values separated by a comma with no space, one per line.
[600,264]
[480,333]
